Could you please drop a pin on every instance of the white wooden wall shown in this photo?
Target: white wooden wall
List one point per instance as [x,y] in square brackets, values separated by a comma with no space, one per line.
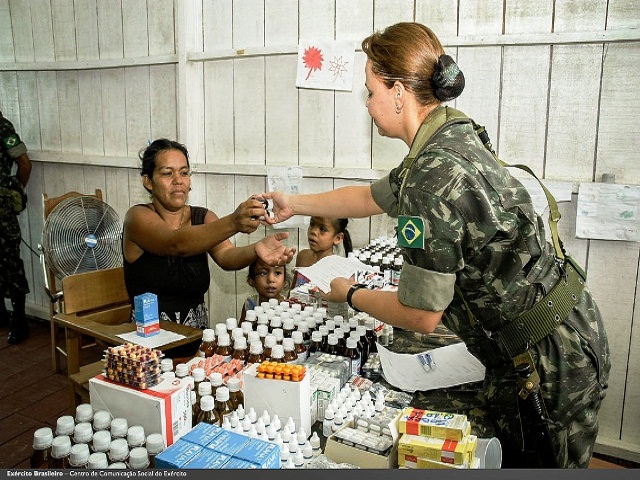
[88,82]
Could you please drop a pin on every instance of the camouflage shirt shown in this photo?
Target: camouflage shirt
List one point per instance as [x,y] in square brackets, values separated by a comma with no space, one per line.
[483,236]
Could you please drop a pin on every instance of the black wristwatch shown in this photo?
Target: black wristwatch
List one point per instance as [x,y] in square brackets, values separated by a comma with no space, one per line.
[352,289]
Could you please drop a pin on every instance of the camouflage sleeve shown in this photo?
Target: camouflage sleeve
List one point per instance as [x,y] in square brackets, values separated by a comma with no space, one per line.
[10,139]
[385,192]
[425,289]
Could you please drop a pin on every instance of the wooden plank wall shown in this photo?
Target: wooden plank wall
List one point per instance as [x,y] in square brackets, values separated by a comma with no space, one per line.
[88,82]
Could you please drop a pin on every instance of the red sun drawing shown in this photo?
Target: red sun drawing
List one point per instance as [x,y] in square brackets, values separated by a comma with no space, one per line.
[312,60]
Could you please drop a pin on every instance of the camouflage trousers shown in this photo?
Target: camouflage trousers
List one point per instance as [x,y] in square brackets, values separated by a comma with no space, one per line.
[12,276]
[572,439]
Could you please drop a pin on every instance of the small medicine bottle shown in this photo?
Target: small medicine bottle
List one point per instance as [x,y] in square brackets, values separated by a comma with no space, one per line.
[84,413]
[277,354]
[371,336]
[353,355]
[235,334]
[223,406]
[60,450]
[65,425]
[101,441]
[316,342]
[288,346]
[269,343]
[231,323]
[82,433]
[182,370]
[299,347]
[255,352]
[138,458]
[101,420]
[79,456]
[224,345]
[240,349]
[207,411]
[118,450]
[155,445]
[166,365]
[136,436]
[98,460]
[208,345]
[198,376]
[236,397]
[42,440]
[216,382]
[119,427]
[332,345]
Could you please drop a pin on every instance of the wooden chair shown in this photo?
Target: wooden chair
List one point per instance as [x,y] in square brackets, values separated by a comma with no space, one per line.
[56,305]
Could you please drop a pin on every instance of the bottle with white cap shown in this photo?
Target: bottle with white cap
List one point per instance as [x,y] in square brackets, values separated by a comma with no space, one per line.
[207,411]
[83,432]
[79,456]
[98,460]
[255,352]
[118,450]
[101,441]
[222,406]
[284,455]
[42,440]
[138,458]
[220,328]
[327,423]
[208,345]
[84,413]
[277,354]
[101,420]
[60,450]
[315,444]
[155,445]
[119,427]
[182,370]
[307,453]
[298,459]
[65,425]
[251,316]
[301,436]
[136,436]
[231,323]
[166,365]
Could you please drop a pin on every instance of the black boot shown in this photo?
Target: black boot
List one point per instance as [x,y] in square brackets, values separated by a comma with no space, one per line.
[19,326]
[4,315]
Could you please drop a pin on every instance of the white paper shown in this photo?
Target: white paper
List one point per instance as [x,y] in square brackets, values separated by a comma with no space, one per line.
[164,337]
[561,191]
[326,269]
[325,65]
[454,365]
[608,211]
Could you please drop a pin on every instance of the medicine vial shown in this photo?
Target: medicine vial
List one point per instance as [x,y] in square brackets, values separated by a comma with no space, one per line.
[79,456]
[42,440]
[208,346]
[60,450]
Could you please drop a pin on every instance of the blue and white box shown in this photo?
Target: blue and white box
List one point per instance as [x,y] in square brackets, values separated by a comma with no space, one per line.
[264,454]
[146,308]
[177,455]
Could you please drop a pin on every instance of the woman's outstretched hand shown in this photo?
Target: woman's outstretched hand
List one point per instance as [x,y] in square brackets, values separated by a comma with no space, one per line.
[273,252]
[280,209]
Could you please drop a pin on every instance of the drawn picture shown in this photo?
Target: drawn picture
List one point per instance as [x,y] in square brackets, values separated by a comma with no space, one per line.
[325,65]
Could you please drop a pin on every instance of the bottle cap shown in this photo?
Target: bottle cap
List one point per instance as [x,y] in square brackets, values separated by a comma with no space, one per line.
[118,450]
[297,336]
[119,427]
[251,316]
[263,330]
[233,384]
[255,348]
[231,323]
[222,394]
[298,459]
[220,328]
[314,440]
[216,379]
[207,403]
[287,324]
[237,333]
[224,340]
[84,413]
[278,333]
[198,374]
[277,351]
[101,441]
[182,370]
[155,443]
[352,343]
[42,438]
[117,466]
[65,425]
[323,329]
[303,325]
[98,460]
[79,455]
[61,446]
[208,335]
[253,336]
[83,432]
[331,325]
[301,436]
[274,302]
[240,343]
[101,420]
[171,376]
[138,458]
[296,307]
[270,341]
[136,436]
[246,327]
[287,345]
[332,339]
[204,388]
[263,319]
[166,365]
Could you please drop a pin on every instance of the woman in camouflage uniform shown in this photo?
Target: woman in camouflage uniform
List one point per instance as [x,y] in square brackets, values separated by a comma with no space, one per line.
[465,223]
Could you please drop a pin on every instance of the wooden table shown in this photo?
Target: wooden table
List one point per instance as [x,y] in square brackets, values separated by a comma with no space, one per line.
[105,326]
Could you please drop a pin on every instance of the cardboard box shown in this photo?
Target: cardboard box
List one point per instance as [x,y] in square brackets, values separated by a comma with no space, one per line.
[342,453]
[146,308]
[440,450]
[411,461]
[178,455]
[281,397]
[427,423]
[264,454]
[164,409]
[148,329]
[207,459]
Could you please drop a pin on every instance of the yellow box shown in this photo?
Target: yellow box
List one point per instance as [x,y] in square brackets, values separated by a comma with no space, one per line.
[438,449]
[427,423]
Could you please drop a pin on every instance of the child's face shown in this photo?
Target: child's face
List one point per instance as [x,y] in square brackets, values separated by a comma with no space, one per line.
[268,281]
[322,235]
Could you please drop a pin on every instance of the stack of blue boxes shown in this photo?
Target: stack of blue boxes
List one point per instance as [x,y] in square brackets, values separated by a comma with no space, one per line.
[146,313]
[208,446]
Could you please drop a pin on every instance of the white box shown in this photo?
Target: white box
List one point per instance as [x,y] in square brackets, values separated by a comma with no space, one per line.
[164,409]
[282,397]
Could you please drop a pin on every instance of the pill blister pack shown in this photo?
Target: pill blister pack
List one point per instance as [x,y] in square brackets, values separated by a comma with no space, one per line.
[365,440]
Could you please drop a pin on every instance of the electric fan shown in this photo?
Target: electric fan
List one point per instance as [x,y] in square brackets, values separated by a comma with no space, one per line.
[81,234]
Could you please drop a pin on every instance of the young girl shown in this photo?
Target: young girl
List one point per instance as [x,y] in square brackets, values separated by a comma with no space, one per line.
[268,282]
[324,235]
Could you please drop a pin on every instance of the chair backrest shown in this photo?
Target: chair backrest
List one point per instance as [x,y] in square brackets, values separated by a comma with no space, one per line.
[94,291]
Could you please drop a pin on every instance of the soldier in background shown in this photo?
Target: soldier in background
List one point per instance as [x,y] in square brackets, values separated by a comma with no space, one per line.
[13,282]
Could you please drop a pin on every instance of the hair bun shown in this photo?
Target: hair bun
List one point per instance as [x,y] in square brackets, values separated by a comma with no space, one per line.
[448,79]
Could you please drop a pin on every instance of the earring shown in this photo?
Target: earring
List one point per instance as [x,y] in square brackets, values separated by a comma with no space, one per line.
[398,108]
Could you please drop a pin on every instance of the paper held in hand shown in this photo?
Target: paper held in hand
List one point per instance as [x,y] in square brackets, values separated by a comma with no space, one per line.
[326,269]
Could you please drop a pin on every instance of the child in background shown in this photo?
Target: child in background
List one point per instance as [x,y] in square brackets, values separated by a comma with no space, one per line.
[324,236]
[268,282]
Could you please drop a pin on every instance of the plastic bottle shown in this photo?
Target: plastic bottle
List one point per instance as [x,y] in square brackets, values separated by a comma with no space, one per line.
[216,382]
[119,427]
[84,413]
[166,365]
[230,323]
[118,450]
[155,445]
[288,346]
[101,441]
[101,420]
[307,453]
[314,441]
[371,336]
[42,440]
[240,349]
[208,346]
[136,436]
[316,342]
[60,450]
[332,345]
[83,432]
[363,344]
[269,343]
[299,347]
[207,411]
[338,421]
[98,460]
[198,376]
[395,271]
[224,345]
[223,406]
[65,425]
[182,370]
[279,334]
[353,355]
[138,458]
[255,353]
[277,354]
[327,423]
[236,397]
[79,456]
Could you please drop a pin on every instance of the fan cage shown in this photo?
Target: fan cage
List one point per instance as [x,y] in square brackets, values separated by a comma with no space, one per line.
[82,234]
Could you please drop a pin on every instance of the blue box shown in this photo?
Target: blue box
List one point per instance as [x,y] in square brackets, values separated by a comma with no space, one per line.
[146,308]
[264,454]
[238,463]
[228,442]
[177,455]
[207,459]
[202,434]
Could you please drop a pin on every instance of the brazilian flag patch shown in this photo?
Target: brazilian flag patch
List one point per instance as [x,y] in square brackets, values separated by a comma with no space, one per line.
[410,231]
[11,141]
